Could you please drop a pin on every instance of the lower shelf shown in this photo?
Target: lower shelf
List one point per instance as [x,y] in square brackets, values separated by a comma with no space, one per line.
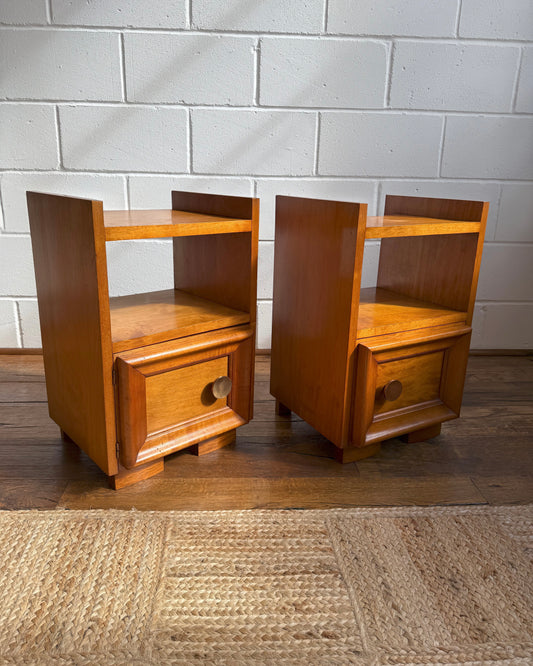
[384,311]
[144,319]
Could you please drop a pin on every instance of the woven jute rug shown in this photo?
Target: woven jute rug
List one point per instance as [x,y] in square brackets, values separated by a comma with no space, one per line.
[346,586]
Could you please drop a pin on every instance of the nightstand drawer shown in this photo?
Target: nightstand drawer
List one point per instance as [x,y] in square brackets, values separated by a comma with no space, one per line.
[406,388]
[175,394]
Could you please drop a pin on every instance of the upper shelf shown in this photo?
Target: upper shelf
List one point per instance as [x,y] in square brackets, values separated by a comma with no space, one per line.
[388,226]
[130,224]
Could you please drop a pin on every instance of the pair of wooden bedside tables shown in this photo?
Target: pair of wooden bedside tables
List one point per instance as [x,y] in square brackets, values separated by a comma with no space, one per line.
[131,379]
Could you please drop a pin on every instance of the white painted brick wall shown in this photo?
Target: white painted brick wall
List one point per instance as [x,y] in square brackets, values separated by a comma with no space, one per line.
[28,137]
[497,19]
[420,18]
[488,147]
[189,69]
[8,324]
[124,138]
[379,144]
[167,14]
[430,75]
[329,73]
[125,101]
[296,16]
[524,98]
[253,142]
[52,65]
[19,12]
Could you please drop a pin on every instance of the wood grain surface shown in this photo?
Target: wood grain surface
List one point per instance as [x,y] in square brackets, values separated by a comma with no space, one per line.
[71,275]
[483,457]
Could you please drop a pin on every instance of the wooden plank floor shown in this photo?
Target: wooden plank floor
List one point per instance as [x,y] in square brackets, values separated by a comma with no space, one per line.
[484,457]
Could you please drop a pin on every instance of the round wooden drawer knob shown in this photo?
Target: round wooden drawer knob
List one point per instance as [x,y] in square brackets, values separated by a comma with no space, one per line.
[392,390]
[221,387]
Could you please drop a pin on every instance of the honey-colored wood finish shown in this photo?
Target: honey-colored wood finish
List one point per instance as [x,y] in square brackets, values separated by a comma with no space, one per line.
[389,226]
[384,311]
[127,477]
[214,443]
[71,275]
[165,401]
[220,268]
[131,224]
[317,272]
[148,360]
[156,316]
[366,365]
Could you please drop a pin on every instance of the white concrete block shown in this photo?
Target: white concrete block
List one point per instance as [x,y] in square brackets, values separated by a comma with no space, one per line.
[109,189]
[265,270]
[524,98]
[155,191]
[359,191]
[60,65]
[168,15]
[379,144]
[253,142]
[494,19]
[506,273]
[447,189]
[8,324]
[20,12]
[189,69]
[16,266]
[488,147]
[515,221]
[264,325]
[139,266]
[299,16]
[456,77]
[128,138]
[28,137]
[478,327]
[369,274]
[29,322]
[334,73]
[508,326]
[420,18]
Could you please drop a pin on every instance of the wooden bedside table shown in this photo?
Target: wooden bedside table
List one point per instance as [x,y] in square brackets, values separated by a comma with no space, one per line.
[134,378]
[365,365]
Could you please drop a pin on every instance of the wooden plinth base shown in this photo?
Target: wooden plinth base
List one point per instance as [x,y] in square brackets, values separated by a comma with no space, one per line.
[212,444]
[351,455]
[281,409]
[421,435]
[127,477]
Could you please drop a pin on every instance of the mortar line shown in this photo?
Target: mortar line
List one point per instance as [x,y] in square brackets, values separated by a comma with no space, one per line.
[122,51]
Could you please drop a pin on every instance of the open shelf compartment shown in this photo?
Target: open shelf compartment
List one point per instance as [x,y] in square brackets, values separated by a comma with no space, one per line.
[144,319]
[383,311]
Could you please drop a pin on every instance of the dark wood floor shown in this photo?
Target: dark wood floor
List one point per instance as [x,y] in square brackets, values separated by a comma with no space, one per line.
[484,457]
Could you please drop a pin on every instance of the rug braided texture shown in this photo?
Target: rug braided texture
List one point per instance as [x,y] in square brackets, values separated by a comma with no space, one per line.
[447,585]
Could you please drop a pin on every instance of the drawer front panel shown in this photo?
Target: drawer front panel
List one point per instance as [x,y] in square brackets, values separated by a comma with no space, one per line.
[165,393]
[419,375]
[179,395]
[431,375]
